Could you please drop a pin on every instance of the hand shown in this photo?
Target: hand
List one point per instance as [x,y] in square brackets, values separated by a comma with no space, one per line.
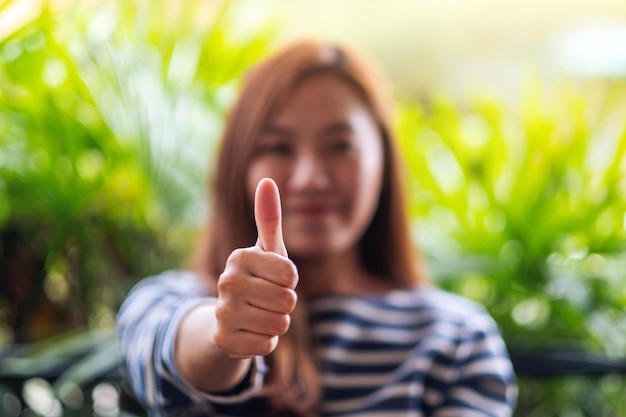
[256,291]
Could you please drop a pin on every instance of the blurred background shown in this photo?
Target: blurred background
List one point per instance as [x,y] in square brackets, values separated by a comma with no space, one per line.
[511,114]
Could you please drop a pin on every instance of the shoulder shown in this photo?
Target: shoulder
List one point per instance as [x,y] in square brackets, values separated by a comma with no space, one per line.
[162,291]
[435,300]
[444,302]
[159,298]
[170,282]
[414,309]
[441,306]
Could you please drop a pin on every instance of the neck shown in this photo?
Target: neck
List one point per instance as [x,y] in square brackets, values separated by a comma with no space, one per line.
[337,274]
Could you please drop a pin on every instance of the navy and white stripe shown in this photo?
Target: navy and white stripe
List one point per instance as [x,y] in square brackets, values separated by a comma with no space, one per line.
[420,352]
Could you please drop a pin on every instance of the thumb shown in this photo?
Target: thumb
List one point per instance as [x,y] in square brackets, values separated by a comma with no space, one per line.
[268,217]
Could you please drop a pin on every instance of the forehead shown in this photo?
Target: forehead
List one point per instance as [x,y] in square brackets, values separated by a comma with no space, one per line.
[319,95]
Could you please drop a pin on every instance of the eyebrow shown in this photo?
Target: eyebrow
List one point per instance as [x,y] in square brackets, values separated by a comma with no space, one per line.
[278,131]
[340,126]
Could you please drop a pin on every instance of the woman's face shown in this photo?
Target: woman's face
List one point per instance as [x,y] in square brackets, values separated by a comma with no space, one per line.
[325,153]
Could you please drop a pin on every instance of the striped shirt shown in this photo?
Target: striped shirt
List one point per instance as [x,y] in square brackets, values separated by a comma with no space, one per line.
[417,352]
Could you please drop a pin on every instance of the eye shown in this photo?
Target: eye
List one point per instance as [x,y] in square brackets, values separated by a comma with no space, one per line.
[342,146]
[276,148]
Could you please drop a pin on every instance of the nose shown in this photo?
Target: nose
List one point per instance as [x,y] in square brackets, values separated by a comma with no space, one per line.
[308,173]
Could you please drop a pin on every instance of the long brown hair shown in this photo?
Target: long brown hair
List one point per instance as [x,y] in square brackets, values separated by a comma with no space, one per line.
[386,247]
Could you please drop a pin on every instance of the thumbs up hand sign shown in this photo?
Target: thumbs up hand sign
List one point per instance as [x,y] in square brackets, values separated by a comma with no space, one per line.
[268,217]
[256,291]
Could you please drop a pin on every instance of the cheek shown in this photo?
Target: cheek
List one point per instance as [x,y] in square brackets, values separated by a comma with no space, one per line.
[369,184]
[256,172]
[264,168]
[360,184]
[372,169]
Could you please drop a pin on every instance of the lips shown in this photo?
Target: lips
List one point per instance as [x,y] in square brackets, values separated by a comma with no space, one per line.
[309,209]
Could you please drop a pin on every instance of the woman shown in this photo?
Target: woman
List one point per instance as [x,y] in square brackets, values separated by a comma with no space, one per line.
[329,312]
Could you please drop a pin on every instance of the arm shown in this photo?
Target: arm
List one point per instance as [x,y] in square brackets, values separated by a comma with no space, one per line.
[150,323]
[484,384]
[255,297]
[180,347]
[199,359]
[215,343]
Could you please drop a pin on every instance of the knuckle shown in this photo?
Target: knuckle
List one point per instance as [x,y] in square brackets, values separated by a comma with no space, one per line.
[288,273]
[242,256]
[225,317]
[282,324]
[221,312]
[237,256]
[287,300]
[267,345]
[229,283]
[225,283]
[292,300]
[221,339]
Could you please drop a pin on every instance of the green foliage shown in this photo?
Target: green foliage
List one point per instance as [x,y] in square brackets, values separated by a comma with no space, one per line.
[108,115]
[73,374]
[572,395]
[522,208]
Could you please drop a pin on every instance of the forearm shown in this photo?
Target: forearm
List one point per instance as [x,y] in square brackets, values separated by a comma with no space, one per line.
[199,360]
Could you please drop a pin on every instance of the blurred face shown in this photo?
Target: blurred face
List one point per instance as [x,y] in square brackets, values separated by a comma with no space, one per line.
[324,151]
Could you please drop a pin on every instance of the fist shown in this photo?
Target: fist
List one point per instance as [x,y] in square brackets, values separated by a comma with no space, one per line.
[256,291]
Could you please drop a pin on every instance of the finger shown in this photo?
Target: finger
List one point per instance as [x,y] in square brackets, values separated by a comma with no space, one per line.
[266,323]
[273,298]
[245,344]
[232,319]
[250,344]
[268,217]
[257,263]
[257,291]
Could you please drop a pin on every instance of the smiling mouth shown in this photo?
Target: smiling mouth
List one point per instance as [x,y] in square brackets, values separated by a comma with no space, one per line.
[310,210]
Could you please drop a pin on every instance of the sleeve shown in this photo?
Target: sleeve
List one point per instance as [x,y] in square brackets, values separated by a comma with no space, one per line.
[483,383]
[147,325]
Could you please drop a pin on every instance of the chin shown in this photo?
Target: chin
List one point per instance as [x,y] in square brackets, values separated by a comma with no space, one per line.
[316,249]
[305,252]
[308,253]
[316,242]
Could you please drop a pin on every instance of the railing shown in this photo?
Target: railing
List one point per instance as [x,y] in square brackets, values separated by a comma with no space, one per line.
[83,372]
[559,363]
